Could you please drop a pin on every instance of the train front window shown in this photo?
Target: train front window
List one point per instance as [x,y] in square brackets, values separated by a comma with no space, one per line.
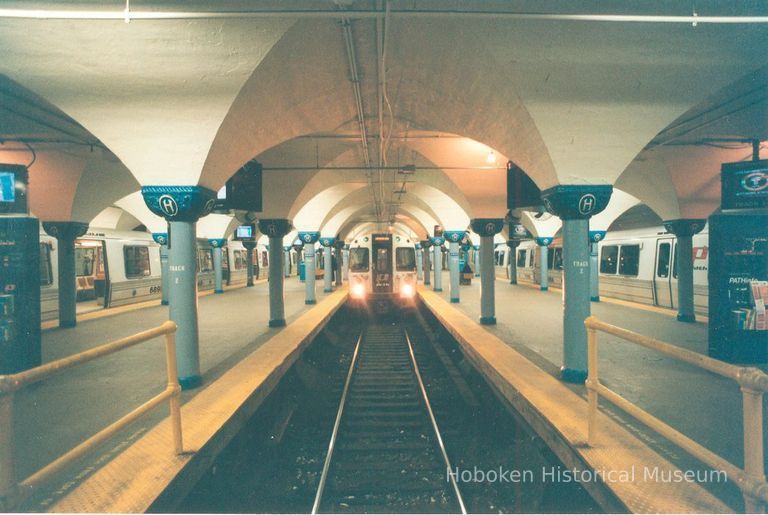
[662,268]
[136,261]
[405,259]
[204,260]
[629,260]
[557,259]
[358,260]
[46,273]
[521,255]
[382,260]
[609,259]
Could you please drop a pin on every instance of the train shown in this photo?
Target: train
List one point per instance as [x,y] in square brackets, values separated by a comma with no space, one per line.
[638,265]
[116,268]
[382,272]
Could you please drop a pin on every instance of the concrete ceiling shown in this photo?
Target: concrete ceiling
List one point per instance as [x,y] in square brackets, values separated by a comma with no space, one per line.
[653,108]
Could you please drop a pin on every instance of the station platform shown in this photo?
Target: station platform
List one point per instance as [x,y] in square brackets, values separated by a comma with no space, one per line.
[704,406]
[53,416]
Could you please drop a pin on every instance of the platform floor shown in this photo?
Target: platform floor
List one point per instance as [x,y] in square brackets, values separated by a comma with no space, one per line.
[700,404]
[57,414]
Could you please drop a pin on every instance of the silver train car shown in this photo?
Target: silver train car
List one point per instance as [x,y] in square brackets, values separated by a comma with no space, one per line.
[635,265]
[382,271]
[116,268]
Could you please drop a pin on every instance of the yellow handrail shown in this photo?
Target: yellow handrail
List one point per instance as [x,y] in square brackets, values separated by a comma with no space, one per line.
[753,382]
[12,494]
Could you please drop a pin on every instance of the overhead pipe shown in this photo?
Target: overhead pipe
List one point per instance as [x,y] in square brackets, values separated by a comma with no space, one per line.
[693,19]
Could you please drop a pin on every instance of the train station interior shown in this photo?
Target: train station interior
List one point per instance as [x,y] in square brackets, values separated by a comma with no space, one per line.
[294,222]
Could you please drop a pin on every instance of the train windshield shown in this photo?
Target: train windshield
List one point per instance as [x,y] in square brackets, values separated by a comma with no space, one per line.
[405,259]
[358,260]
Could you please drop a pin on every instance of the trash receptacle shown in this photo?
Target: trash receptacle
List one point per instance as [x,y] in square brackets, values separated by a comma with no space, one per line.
[302,274]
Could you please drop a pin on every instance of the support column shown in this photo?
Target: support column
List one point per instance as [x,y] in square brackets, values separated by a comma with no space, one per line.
[287,260]
[309,239]
[594,278]
[513,244]
[249,246]
[161,238]
[182,206]
[66,233]
[425,246]
[684,229]
[454,239]
[327,243]
[575,205]
[543,244]
[476,254]
[487,228]
[218,245]
[437,241]
[419,263]
[276,229]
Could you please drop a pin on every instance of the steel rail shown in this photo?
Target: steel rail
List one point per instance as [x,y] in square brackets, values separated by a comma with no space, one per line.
[335,432]
[434,426]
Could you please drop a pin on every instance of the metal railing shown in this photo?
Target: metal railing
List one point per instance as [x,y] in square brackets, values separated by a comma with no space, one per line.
[12,493]
[753,383]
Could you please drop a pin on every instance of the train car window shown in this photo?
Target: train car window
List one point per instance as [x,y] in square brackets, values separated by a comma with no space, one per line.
[521,255]
[557,259]
[609,259]
[405,259]
[358,260]
[629,260]
[85,259]
[46,272]
[240,260]
[662,267]
[499,258]
[674,264]
[264,258]
[531,260]
[136,261]
[204,260]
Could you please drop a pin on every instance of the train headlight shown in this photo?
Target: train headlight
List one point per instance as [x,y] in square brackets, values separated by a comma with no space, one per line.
[407,290]
[358,290]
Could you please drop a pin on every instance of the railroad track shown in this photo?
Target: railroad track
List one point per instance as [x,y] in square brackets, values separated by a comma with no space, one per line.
[386,453]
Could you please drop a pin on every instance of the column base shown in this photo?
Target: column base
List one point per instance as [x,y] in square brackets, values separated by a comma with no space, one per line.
[572,375]
[249,286]
[438,290]
[686,318]
[488,320]
[544,288]
[427,283]
[595,299]
[164,303]
[454,301]
[218,291]
[309,302]
[280,322]
[190,382]
[67,324]
[327,290]
[477,275]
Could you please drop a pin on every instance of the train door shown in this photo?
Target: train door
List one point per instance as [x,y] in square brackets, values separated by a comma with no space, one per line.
[90,273]
[382,263]
[662,277]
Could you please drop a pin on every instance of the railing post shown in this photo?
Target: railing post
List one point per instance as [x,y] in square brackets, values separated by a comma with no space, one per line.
[173,384]
[752,401]
[6,450]
[592,382]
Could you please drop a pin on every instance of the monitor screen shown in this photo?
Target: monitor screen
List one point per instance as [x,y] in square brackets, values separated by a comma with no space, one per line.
[745,185]
[244,232]
[7,187]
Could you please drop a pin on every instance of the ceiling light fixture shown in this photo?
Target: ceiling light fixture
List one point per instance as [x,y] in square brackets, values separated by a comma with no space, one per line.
[490,158]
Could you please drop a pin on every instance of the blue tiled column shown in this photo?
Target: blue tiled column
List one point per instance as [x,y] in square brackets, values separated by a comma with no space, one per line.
[218,245]
[66,233]
[276,229]
[575,205]
[454,241]
[684,229]
[487,228]
[182,206]
[309,238]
